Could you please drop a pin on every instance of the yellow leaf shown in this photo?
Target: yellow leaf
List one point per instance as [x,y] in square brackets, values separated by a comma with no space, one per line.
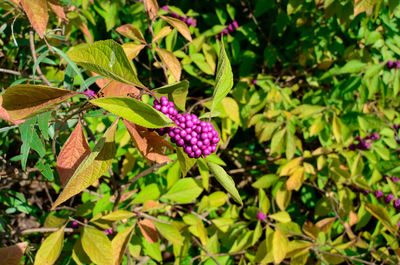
[151,7]
[336,129]
[36,10]
[172,63]
[131,32]
[279,246]
[50,249]
[296,179]
[180,26]
[92,168]
[283,198]
[291,166]
[162,33]
[132,49]
[231,108]
[97,246]
[120,243]
[317,126]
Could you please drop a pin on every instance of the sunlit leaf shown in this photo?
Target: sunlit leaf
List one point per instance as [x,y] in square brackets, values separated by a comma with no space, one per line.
[184,191]
[120,242]
[97,246]
[170,232]
[179,26]
[148,230]
[36,10]
[12,255]
[50,249]
[172,63]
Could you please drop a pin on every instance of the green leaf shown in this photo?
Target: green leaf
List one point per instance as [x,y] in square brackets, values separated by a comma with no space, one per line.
[134,111]
[78,254]
[176,92]
[149,192]
[217,199]
[226,181]
[278,142]
[106,58]
[381,214]
[353,66]
[185,162]
[92,167]
[117,215]
[223,79]
[97,246]
[282,217]
[204,172]
[184,191]
[50,249]
[170,232]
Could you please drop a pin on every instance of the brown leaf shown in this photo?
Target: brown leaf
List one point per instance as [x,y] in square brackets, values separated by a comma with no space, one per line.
[148,230]
[118,89]
[353,218]
[58,10]
[325,224]
[180,26]
[364,6]
[149,144]
[150,204]
[75,149]
[151,7]
[79,21]
[5,116]
[131,32]
[25,101]
[36,10]
[12,255]
[162,33]
[172,63]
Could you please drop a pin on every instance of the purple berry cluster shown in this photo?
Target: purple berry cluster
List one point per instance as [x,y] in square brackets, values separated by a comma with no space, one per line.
[393,64]
[229,29]
[198,138]
[188,20]
[364,143]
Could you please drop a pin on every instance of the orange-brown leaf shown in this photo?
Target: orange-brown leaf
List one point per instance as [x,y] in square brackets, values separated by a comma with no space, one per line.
[36,10]
[118,89]
[132,49]
[5,116]
[58,10]
[151,7]
[149,144]
[180,26]
[131,32]
[12,255]
[172,63]
[148,230]
[75,149]
[25,101]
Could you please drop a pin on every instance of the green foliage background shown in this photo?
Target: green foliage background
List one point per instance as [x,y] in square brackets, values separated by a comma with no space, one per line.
[308,78]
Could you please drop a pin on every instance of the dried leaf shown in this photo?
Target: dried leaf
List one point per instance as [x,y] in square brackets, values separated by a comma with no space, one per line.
[148,230]
[12,255]
[172,63]
[149,144]
[36,10]
[131,32]
[180,26]
[74,151]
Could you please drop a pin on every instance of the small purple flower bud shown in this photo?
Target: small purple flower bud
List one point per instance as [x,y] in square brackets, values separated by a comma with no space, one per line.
[389,198]
[165,8]
[235,24]
[379,194]
[189,21]
[261,216]
[397,64]
[225,32]
[395,179]
[230,28]
[396,126]
[194,23]
[108,231]
[254,82]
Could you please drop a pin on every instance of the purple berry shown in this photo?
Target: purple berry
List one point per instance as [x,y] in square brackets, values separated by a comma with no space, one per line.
[175,15]
[206,152]
[230,28]
[396,204]
[189,124]
[395,179]
[197,153]
[198,129]
[194,134]
[177,137]
[171,134]
[165,8]
[188,138]
[188,150]
[191,155]
[215,140]
[206,142]
[225,31]
[389,198]
[379,194]
[180,142]
[74,224]
[164,109]
[235,24]
[396,126]
[261,216]
[397,64]
[213,148]
[183,133]
[189,21]
[390,64]
[375,136]
[157,107]
[189,130]
[204,136]
[193,141]
[164,100]
[195,148]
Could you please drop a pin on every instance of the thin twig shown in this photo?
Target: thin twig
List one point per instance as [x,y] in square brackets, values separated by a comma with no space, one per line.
[33,52]
[205,250]
[147,216]
[45,230]
[12,72]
